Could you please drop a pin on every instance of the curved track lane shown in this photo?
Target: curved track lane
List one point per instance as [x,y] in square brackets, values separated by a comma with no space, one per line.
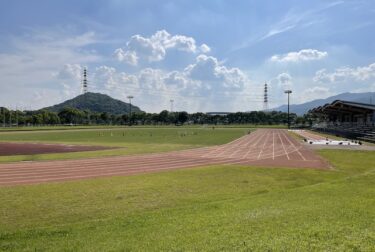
[264,147]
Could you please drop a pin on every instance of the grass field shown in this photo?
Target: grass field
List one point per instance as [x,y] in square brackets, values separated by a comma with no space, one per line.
[129,140]
[232,208]
[77,127]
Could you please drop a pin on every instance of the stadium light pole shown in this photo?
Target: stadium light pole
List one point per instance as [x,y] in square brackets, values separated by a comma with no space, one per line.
[130,97]
[288,92]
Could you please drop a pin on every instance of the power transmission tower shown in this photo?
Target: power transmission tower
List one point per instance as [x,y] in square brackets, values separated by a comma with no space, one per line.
[84,81]
[265,98]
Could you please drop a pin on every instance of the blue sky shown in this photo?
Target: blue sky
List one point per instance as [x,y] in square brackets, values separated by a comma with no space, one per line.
[205,55]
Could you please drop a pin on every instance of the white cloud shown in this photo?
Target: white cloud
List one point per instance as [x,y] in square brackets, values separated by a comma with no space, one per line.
[302,55]
[343,74]
[70,71]
[316,93]
[196,86]
[37,60]
[129,57]
[284,81]
[205,48]
[155,48]
[213,75]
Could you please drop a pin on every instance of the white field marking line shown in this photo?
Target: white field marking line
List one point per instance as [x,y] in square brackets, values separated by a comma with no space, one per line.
[243,147]
[264,144]
[273,145]
[55,179]
[252,147]
[295,147]
[199,152]
[266,157]
[219,147]
[228,150]
[104,170]
[282,144]
[101,167]
[89,165]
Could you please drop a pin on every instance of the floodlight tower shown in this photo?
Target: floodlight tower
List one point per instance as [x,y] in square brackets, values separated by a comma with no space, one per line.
[130,97]
[171,104]
[84,81]
[265,98]
[288,92]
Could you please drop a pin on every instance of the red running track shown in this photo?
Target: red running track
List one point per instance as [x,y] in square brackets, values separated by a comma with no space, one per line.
[264,147]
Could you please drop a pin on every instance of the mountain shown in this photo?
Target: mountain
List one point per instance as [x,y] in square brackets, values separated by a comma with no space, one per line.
[96,102]
[301,109]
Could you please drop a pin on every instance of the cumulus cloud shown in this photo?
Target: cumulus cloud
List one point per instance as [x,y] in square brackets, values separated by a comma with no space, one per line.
[343,74]
[284,80]
[302,55]
[316,93]
[205,48]
[155,48]
[208,71]
[70,71]
[129,57]
[206,78]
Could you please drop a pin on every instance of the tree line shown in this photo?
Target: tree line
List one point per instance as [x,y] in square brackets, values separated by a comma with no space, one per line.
[73,116]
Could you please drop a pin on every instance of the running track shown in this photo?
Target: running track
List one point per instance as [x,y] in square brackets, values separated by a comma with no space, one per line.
[264,147]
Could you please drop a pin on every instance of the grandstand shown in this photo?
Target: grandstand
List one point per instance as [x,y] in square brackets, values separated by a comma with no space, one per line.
[345,118]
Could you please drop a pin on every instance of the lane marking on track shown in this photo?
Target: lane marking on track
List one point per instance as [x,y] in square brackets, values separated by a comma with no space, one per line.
[257,138]
[295,147]
[286,153]
[265,141]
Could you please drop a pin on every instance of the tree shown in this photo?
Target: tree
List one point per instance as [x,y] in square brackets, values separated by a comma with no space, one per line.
[182,117]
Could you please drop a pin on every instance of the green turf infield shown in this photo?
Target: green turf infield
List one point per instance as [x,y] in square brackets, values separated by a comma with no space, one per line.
[134,140]
[217,208]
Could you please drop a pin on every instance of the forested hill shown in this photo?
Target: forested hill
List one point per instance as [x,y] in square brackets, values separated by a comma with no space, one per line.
[96,102]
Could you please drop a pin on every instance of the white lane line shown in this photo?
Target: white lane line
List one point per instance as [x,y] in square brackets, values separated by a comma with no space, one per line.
[264,144]
[295,147]
[253,146]
[282,144]
[258,138]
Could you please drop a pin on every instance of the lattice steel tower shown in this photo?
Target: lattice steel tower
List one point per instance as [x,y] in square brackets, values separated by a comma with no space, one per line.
[84,81]
[265,99]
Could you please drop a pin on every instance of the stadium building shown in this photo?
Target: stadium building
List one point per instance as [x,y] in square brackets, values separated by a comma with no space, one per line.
[345,118]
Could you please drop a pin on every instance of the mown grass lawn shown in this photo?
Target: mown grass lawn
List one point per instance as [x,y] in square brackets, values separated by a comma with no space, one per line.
[127,140]
[231,208]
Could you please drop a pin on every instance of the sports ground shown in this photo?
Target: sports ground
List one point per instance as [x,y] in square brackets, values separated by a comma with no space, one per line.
[264,147]
[183,189]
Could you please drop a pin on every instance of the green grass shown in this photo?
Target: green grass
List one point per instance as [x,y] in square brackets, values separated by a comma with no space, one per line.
[129,140]
[230,208]
[78,127]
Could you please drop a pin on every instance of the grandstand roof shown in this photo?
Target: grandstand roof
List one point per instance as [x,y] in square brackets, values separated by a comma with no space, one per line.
[339,105]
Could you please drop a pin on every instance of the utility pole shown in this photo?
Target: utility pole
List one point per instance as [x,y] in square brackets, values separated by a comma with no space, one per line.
[130,97]
[288,92]
[171,105]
